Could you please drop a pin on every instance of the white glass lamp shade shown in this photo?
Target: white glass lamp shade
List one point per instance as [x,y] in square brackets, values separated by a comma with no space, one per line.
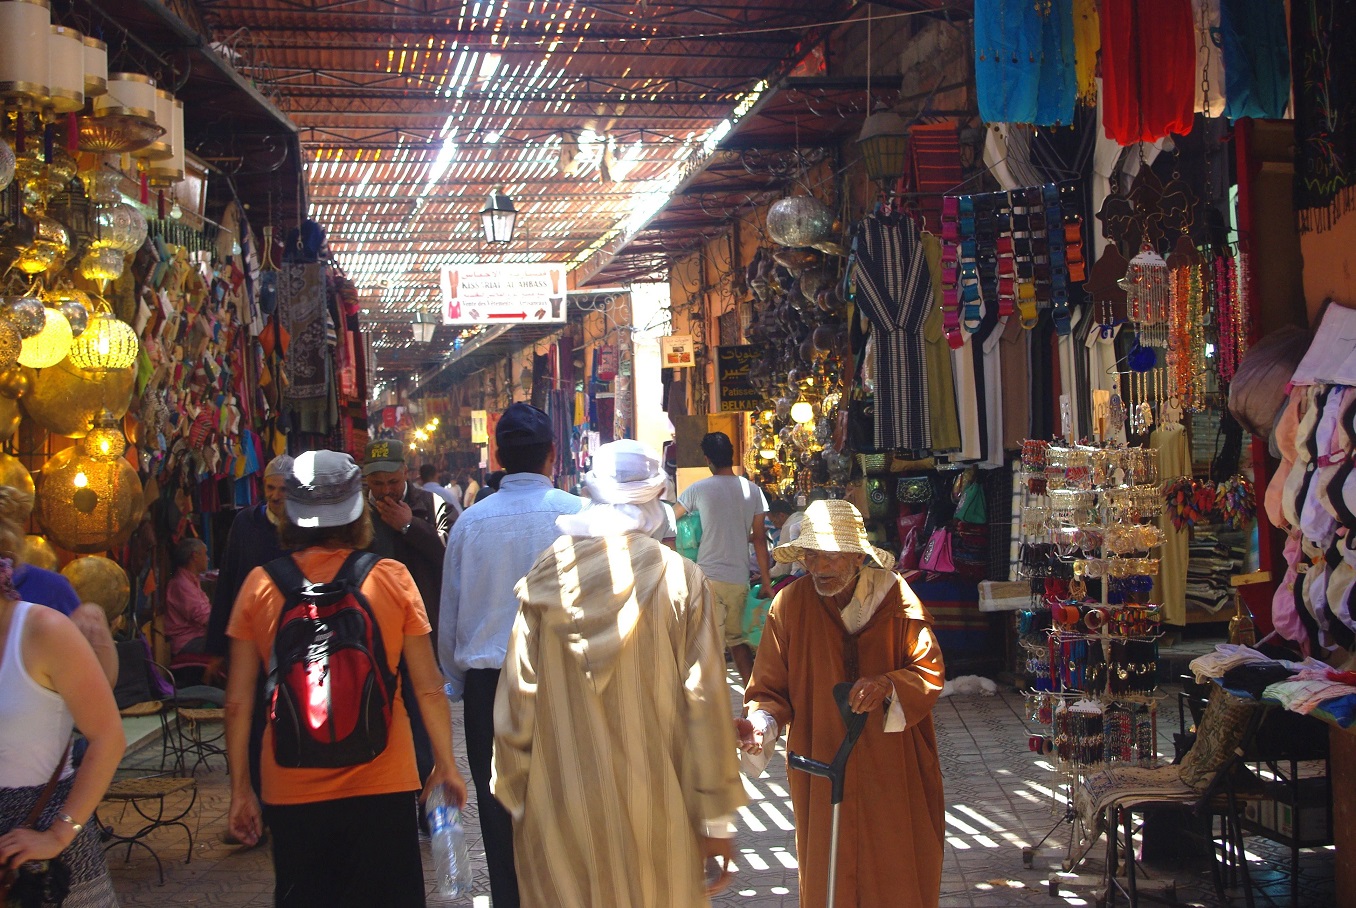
[170,170]
[50,345]
[107,345]
[24,29]
[160,149]
[131,93]
[498,217]
[803,412]
[96,66]
[65,69]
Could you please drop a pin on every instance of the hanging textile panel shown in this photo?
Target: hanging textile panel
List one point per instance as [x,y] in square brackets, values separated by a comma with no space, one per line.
[1256,58]
[1024,61]
[1149,75]
[1322,35]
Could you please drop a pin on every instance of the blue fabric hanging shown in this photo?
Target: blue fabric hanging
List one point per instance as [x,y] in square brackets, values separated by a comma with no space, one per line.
[1024,61]
[1256,58]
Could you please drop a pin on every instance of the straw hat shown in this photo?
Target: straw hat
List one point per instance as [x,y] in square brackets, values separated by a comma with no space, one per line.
[832,526]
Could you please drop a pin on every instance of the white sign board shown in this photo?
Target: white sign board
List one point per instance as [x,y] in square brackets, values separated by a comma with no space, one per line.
[494,294]
[675,351]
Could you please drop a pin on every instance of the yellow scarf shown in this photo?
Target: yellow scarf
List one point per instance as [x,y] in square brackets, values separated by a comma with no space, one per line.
[1087,43]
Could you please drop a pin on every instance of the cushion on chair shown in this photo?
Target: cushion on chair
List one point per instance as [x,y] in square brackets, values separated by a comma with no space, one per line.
[1219,734]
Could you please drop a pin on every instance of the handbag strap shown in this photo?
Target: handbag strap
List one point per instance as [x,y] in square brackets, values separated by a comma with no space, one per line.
[50,788]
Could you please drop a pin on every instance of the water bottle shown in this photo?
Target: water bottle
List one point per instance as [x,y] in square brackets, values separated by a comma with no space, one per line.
[451,862]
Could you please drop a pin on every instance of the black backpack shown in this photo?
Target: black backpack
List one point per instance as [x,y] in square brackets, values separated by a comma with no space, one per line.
[330,690]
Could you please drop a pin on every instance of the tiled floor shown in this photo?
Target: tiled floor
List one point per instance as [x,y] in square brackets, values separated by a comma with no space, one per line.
[999,800]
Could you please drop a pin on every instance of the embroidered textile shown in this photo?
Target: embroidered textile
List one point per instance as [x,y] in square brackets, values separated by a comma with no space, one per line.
[1322,34]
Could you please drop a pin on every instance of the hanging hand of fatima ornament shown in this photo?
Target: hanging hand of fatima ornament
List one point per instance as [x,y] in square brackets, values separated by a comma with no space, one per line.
[1175,206]
[1147,196]
[1118,221]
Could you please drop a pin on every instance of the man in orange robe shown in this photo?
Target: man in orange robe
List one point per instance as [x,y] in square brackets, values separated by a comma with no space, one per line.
[848,620]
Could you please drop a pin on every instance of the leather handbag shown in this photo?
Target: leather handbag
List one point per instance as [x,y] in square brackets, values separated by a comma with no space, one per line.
[910,527]
[10,877]
[936,555]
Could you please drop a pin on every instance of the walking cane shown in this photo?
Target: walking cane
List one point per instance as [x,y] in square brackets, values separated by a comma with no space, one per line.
[835,772]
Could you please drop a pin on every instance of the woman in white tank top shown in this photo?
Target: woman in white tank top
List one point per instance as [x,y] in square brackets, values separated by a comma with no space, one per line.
[50,683]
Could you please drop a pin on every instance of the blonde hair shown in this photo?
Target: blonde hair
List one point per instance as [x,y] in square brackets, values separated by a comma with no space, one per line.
[15,506]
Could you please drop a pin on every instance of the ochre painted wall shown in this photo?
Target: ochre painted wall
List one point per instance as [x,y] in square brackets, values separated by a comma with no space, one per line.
[1330,264]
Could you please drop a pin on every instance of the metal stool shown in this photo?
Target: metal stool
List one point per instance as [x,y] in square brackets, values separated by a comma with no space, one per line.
[139,792]
[193,741]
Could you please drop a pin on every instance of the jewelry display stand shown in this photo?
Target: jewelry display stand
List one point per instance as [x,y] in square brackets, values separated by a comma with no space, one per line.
[1091,635]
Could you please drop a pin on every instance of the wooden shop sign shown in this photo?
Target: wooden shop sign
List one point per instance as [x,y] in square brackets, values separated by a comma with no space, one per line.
[734,389]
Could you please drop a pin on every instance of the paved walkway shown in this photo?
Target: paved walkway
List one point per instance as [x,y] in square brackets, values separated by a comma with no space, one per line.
[999,801]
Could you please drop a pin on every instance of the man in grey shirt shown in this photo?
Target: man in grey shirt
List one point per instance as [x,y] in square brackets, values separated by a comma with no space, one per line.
[727,505]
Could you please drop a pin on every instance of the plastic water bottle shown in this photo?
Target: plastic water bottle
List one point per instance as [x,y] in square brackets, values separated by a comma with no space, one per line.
[451,861]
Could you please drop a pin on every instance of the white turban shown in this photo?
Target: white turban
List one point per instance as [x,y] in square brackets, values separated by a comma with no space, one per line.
[624,485]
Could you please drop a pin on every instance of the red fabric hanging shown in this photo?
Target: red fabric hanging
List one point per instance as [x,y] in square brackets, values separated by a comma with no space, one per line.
[1148,69]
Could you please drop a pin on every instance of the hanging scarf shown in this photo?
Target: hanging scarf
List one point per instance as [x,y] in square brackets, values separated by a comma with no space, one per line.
[1087,39]
[1149,75]
[1256,58]
[1323,33]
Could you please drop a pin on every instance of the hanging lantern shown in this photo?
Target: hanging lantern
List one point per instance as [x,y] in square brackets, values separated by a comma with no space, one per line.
[119,226]
[104,440]
[96,66]
[27,314]
[24,26]
[799,221]
[50,345]
[65,69]
[101,184]
[802,411]
[170,171]
[39,553]
[102,581]
[884,143]
[88,505]
[15,475]
[7,165]
[107,345]
[102,265]
[65,399]
[160,149]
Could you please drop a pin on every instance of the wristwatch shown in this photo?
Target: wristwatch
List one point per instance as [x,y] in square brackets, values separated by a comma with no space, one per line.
[66,818]
[406,528]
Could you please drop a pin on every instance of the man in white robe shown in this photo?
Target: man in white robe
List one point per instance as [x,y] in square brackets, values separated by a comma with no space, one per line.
[614,746]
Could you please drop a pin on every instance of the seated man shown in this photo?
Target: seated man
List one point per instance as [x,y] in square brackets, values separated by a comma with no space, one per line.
[187,607]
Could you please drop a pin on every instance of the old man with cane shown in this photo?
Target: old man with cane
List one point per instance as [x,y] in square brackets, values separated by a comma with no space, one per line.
[851,619]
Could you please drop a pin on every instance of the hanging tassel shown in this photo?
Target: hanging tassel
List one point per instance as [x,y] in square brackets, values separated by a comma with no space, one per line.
[72,134]
[160,204]
[145,188]
[20,132]
[1147,292]
[48,134]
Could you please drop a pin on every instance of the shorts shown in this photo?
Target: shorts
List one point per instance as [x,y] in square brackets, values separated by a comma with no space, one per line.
[730,599]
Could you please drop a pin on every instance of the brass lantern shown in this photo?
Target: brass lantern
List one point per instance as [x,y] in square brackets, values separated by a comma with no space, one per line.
[39,553]
[15,475]
[88,505]
[884,143]
[106,345]
[66,399]
[50,345]
[104,440]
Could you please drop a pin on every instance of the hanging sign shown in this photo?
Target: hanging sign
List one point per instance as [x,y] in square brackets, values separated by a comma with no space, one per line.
[675,351]
[737,392]
[494,294]
[480,432]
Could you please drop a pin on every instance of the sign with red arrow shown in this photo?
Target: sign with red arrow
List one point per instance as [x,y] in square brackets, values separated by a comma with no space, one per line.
[498,294]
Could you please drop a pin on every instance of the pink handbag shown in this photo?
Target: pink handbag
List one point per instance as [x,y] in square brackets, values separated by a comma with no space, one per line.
[937,553]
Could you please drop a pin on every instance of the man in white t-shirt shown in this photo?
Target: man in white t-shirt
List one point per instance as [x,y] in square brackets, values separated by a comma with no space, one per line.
[727,505]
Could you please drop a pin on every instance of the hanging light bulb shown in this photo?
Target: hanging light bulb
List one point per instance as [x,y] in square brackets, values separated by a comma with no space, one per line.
[802,411]
[104,440]
[50,345]
[108,344]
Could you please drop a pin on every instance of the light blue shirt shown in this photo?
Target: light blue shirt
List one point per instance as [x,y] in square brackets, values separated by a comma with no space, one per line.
[492,546]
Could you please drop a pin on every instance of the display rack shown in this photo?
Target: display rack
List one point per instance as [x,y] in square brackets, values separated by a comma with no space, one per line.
[1091,634]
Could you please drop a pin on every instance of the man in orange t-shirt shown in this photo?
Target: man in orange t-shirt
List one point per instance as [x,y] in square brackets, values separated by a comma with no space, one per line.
[343,836]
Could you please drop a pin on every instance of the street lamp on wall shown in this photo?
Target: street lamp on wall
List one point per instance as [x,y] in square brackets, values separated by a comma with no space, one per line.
[884,143]
[424,325]
[497,218]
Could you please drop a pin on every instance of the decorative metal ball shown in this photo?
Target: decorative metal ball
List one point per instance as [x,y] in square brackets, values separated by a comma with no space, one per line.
[88,505]
[28,314]
[14,381]
[74,304]
[50,345]
[51,232]
[107,344]
[9,418]
[66,399]
[36,259]
[15,475]
[10,344]
[799,221]
[39,553]
[100,580]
